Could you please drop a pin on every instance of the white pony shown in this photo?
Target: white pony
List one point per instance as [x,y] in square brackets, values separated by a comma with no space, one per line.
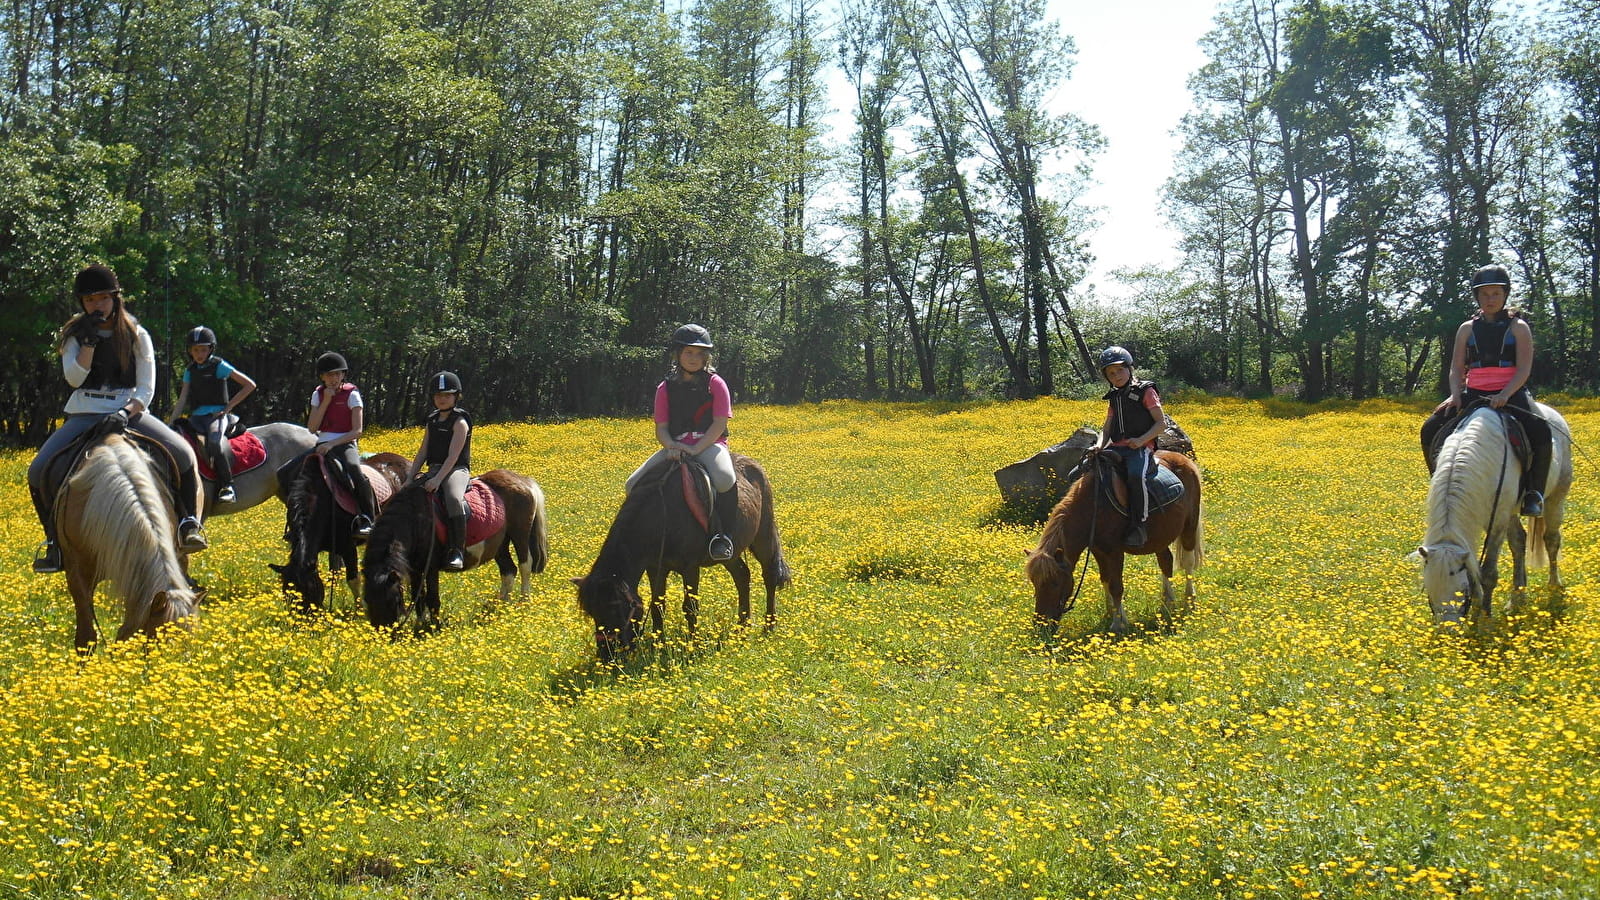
[1474,500]
[116,522]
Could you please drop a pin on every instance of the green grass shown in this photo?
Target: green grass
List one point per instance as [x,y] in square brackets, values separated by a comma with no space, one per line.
[903,732]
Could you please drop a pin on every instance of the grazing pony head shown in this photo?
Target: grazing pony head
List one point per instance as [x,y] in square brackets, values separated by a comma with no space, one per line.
[403,531]
[305,513]
[1450,578]
[1052,583]
[616,609]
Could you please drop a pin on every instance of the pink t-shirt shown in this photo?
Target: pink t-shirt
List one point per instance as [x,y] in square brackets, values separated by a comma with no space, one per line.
[1152,402]
[721,406]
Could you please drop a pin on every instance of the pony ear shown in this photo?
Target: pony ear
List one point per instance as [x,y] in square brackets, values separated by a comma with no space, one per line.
[1422,553]
[281,570]
[1059,553]
[578,582]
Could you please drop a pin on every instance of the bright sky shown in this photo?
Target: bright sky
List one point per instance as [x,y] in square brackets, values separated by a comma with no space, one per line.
[1131,80]
[1134,62]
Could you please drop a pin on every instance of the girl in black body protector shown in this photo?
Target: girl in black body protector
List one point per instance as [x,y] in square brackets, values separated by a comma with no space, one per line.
[107,357]
[1134,419]
[205,388]
[692,409]
[447,451]
[1491,362]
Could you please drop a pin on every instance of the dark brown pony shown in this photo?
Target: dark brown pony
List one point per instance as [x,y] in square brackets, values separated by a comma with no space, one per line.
[117,522]
[317,524]
[404,554]
[1086,519]
[655,531]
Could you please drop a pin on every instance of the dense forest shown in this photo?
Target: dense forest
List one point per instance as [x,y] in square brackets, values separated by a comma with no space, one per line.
[534,193]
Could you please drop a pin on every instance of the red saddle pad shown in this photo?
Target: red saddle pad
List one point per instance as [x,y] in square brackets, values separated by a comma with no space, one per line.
[248,453]
[486,514]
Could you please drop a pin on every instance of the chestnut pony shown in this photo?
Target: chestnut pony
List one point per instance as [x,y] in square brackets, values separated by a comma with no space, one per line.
[1086,519]
[404,554]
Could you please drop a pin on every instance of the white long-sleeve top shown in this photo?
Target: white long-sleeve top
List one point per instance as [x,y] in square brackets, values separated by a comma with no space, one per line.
[94,398]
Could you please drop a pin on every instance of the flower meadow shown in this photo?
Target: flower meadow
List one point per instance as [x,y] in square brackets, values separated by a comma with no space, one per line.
[903,732]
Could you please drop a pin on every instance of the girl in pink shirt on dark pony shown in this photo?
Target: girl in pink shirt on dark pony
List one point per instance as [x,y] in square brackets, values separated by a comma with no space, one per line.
[692,409]
[1491,362]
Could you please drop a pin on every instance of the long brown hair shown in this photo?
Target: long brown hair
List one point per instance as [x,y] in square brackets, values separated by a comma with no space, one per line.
[124,332]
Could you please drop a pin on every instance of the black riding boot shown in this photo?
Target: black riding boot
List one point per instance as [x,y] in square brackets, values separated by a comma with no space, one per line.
[1533,484]
[222,470]
[455,558]
[724,508]
[1137,489]
[191,537]
[366,506]
[49,561]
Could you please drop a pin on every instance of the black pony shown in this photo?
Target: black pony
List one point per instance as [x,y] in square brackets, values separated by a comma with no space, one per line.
[316,523]
[405,552]
[655,531]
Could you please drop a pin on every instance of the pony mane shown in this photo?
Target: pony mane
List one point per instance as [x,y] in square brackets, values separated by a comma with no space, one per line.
[128,518]
[405,521]
[1054,536]
[1465,482]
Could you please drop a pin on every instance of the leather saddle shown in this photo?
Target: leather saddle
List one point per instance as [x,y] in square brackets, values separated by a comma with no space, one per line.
[1520,447]
[61,468]
[1162,484]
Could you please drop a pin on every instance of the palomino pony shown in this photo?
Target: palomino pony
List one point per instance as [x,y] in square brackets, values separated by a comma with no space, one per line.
[317,523]
[116,521]
[406,549]
[1475,496]
[655,531]
[281,442]
[1087,519]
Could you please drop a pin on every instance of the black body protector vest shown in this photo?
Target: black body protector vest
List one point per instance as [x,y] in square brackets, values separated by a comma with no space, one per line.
[441,427]
[205,388]
[1491,343]
[688,405]
[1129,418]
[106,370]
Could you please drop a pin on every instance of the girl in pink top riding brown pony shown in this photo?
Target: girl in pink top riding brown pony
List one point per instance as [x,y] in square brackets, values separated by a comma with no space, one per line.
[1490,365]
[692,409]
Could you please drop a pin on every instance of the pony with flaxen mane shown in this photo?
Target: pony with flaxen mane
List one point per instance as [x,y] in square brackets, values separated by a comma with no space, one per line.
[1086,519]
[1473,506]
[116,522]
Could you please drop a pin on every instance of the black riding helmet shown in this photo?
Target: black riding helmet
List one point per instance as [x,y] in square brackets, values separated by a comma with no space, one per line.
[1491,274]
[444,382]
[200,334]
[331,362]
[691,335]
[95,279]
[1114,356]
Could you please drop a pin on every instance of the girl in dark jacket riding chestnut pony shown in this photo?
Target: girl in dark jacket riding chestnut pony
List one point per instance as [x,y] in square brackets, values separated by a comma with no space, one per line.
[1134,419]
[1491,362]
[692,409]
